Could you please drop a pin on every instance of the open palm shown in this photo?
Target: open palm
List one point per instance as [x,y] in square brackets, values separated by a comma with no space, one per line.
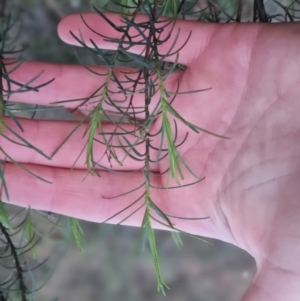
[250,192]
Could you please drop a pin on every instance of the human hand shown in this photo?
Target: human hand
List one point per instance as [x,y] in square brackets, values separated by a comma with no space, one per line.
[249,192]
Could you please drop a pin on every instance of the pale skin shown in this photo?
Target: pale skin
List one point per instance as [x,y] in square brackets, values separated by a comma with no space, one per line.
[251,188]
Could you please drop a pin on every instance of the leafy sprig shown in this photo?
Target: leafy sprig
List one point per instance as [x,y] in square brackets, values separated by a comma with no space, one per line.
[150,75]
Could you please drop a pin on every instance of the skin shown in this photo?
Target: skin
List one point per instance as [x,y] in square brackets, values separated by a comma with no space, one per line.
[251,188]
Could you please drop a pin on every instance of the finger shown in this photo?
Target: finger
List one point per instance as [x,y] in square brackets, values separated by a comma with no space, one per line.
[70,195]
[73,82]
[48,135]
[70,82]
[200,36]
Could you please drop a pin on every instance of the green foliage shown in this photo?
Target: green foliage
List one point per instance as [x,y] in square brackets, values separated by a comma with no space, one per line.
[151,238]
[29,233]
[177,239]
[77,232]
[15,285]
[152,63]
[4,217]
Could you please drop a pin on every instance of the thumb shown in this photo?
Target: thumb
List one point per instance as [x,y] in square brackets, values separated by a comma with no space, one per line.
[92,26]
[273,283]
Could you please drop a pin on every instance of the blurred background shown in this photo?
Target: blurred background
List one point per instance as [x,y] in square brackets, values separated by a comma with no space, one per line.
[113,265]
